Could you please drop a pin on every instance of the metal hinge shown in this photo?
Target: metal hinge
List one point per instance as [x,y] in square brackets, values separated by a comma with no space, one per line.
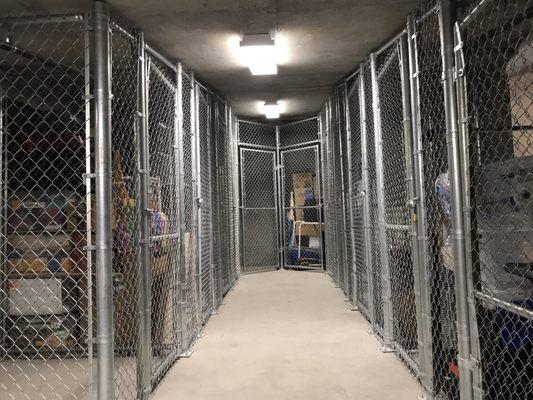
[468,363]
[90,175]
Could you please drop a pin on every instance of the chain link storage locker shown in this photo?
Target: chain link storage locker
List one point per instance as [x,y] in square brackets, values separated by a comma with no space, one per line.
[64,163]
[46,303]
[494,55]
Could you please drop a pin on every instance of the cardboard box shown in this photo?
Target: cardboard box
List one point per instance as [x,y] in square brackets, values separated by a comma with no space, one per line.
[301,183]
[36,264]
[38,211]
[39,243]
[307,230]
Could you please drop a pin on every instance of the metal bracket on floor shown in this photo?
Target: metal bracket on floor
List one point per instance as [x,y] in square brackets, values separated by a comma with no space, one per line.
[186,354]
[386,348]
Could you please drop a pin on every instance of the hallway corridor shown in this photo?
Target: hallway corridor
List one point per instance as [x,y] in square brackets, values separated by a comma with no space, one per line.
[287,335]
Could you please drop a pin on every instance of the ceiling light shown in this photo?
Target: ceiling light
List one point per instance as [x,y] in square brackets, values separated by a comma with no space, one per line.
[259,54]
[271,109]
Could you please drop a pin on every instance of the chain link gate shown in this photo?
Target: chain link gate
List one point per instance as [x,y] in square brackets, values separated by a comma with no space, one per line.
[259,213]
[357,194]
[301,211]
[164,216]
[189,223]
[338,163]
[258,196]
[429,120]
[205,206]
[393,99]
[302,216]
[375,258]
[334,251]
[125,65]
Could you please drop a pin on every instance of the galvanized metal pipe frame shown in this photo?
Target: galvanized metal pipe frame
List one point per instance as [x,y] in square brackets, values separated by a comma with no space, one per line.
[280,202]
[88,202]
[349,200]
[382,233]
[197,212]
[462,107]
[182,288]
[366,196]
[178,176]
[341,231]
[103,186]
[447,18]
[145,323]
[411,193]
[419,204]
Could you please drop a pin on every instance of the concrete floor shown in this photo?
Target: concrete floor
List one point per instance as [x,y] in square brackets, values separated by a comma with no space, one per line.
[287,335]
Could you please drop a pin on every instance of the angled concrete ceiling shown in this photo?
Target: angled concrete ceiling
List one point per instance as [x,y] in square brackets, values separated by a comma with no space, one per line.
[320,40]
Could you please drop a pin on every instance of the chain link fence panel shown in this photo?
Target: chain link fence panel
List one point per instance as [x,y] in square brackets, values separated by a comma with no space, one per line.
[46,306]
[205,203]
[396,204]
[164,216]
[260,229]
[301,214]
[257,134]
[189,224]
[496,63]
[126,212]
[375,255]
[438,256]
[358,195]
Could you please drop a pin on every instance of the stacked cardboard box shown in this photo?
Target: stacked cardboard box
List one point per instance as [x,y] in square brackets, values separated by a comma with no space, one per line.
[302,183]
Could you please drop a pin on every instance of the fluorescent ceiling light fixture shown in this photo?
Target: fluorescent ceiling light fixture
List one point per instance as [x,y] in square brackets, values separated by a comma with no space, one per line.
[258,52]
[271,109]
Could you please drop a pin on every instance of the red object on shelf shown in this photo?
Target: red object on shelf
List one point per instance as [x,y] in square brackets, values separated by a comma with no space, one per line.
[454,369]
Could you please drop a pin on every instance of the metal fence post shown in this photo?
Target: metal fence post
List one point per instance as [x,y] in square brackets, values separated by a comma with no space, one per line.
[382,233]
[411,191]
[180,175]
[145,224]
[236,199]
[462,107]
[103,185]
[209,106]
[342,200]
[425,342]
[366,198]
[334,244]
[446,21]
[197,213]
[280,201]
[349,199]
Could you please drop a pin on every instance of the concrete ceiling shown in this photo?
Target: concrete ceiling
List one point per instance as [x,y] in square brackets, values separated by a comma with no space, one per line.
[319,40]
